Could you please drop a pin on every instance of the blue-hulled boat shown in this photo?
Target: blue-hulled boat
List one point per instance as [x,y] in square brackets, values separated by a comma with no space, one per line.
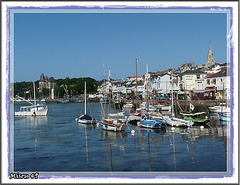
[149,122]
[224,117]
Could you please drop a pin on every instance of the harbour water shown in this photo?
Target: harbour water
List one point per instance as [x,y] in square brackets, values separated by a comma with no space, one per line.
[58,143]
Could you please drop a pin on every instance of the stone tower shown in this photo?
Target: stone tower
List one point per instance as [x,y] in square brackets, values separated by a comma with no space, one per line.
[210,60]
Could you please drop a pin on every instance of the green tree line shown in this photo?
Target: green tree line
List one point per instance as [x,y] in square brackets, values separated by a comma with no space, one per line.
[75,87]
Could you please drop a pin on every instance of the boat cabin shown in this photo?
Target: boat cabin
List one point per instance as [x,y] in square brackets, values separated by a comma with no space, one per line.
[204,95]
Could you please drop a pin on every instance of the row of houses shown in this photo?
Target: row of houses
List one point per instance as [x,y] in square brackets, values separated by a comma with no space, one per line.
[192,80]
[213,77]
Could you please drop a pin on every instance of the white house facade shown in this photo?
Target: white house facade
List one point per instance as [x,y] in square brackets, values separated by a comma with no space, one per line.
[221,82]
[161,83]
[192,80]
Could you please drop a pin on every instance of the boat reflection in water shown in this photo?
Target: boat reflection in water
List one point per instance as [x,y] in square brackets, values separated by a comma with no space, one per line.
[115,139]
[148,142]
[193,137]
[33,121]
[32,126]
[180,149]
[87,127]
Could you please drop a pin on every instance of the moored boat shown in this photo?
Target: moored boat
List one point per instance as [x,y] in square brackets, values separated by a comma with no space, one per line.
[224,117]
[195,118]
[153,123]
[86,119]
[177,122]
[34,109]
[219,109]
[108,123]
[113,124]
[120,116]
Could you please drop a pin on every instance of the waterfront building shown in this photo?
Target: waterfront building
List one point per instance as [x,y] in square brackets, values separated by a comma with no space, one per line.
[161,83]
[175,84]
[218,80]
[118,87]
[192,80]
[45,82]
[133,78]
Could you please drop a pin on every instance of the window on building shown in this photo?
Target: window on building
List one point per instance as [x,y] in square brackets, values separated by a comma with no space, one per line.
[208,82]
[198,76]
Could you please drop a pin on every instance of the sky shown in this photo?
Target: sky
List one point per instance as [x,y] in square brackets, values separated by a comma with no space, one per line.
[79,45]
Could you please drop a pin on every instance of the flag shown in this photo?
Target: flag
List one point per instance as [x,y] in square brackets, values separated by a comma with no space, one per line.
[191,107]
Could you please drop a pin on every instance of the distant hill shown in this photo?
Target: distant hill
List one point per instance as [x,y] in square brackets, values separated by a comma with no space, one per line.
[75,86]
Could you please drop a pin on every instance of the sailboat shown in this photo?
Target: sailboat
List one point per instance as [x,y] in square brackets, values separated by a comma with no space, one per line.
[195,117]
[224,115]
[34,109]
[176,122]
[147,121]
[134,117]
[86,119]
[110,123]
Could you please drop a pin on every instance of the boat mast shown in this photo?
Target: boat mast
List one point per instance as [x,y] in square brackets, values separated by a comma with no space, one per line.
[104,82]
[222,99]
[147,89]
[190,110]
[85,98]
[109,101]
[166,94]
[34,93]
[172,95]
[136,86]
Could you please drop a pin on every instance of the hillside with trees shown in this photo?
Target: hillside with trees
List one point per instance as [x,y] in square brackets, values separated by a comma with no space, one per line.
[74,87]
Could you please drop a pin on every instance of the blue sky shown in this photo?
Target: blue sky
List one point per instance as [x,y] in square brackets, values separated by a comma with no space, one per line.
[78,45]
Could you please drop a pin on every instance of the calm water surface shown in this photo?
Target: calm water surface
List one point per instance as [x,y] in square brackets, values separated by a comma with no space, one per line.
[59,143]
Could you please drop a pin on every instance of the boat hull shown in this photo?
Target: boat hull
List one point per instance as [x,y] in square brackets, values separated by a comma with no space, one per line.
[176,122]
[152,123]
[224,117]
[197,121]
[133,119]
[86,119]
[149,124]
[108,124]
[32,112]
[219,109]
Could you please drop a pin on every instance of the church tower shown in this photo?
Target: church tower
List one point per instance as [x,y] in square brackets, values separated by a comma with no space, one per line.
[210,60]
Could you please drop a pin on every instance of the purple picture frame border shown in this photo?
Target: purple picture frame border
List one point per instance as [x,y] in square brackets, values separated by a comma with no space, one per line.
[116,7]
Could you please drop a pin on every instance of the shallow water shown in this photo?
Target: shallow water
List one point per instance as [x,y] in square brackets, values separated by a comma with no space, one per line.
[58,143]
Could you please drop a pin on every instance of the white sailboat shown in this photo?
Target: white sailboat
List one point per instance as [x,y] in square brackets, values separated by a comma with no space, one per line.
[86,119]
[34,109]
[222,108]
[176,122]
[110,123]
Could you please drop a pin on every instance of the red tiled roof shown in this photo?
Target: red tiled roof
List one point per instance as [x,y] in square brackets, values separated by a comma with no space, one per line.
[210,74]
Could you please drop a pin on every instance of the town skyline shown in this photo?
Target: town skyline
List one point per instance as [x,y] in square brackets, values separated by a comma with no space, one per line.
[73,45]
